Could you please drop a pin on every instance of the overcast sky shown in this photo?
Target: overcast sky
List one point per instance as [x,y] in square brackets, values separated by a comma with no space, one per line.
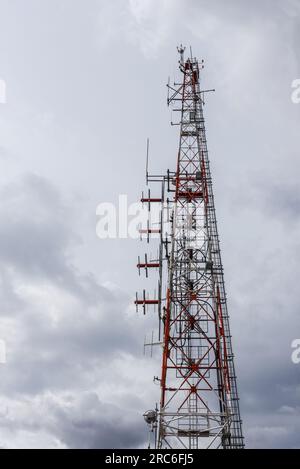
[85,87]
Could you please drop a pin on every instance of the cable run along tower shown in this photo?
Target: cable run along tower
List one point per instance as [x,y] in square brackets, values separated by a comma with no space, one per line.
[199,404]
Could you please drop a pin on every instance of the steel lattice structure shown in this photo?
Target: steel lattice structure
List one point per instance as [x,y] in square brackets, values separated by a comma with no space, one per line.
[199,406]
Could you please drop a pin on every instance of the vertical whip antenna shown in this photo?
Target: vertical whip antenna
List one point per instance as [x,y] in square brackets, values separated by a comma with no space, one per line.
[147,161]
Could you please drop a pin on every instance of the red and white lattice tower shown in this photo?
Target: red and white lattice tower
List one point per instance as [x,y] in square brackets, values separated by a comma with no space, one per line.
[199,406]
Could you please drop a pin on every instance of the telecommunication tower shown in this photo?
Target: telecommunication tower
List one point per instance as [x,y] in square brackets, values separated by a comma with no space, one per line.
[199,404]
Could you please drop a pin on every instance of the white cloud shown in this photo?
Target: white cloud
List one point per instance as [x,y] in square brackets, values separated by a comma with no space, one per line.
[143,23]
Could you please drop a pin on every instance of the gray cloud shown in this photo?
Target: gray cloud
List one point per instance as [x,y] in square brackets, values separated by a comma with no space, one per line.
[80,421]
[80,107]
[63,329]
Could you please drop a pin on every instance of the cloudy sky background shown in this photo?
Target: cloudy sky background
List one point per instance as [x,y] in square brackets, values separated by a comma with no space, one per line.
[85,88]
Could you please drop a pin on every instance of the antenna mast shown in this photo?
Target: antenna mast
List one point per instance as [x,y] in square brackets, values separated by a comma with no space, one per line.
[199,405]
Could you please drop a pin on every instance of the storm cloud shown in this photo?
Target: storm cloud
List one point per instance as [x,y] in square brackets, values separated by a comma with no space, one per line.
[85,88]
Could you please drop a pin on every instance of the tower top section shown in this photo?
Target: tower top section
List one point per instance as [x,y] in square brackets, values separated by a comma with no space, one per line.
[191,60]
